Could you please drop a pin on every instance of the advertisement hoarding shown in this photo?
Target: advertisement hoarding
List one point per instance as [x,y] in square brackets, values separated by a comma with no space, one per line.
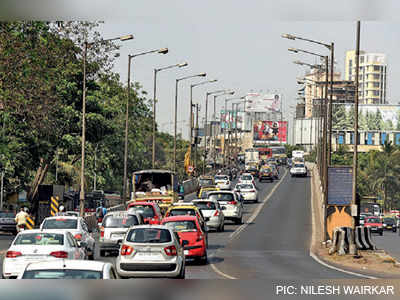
[229,119]
[256,102]
[270,132]
[340,185]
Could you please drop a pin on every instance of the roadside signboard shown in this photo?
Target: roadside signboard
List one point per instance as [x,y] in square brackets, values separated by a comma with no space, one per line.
[270,132]
[340,185]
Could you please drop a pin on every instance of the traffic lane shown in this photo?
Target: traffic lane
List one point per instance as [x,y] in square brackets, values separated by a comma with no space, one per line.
[216,240]
[389,242]
[5,241]
[277,245]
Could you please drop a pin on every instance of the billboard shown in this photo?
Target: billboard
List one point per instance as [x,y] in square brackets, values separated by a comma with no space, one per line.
[230,118]
[256,102]
[370,118]
[270,132]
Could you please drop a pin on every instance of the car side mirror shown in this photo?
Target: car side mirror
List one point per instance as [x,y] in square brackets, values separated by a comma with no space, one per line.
[82,244]
[185,243]
[223,208]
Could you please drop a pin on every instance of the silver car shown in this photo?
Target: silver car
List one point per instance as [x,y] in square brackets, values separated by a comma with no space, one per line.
[212,212]
[113,229]
[232,202]
[223,182]
[151,251]
[248,191]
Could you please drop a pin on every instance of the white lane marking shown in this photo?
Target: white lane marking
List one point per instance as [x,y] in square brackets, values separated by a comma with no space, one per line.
[258,209]
[313,241]
[242,227]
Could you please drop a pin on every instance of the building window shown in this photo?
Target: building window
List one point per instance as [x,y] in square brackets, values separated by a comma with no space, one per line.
[376,93]
[383,137]
[397,140]
[376,76]
[376,84]
[377,68]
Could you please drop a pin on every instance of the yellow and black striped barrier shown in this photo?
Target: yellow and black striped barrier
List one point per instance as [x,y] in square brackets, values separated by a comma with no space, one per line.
[54,205]
[30,224]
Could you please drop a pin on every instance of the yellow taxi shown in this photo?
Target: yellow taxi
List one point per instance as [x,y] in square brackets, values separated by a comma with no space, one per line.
[204,191]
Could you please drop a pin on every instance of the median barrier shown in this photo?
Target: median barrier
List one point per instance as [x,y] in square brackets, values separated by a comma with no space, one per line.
[335,239]
[368,238]
[360,239]
[339,242]
[350,246]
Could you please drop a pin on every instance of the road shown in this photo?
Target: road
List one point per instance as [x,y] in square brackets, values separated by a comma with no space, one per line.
[390,242]
[273,242]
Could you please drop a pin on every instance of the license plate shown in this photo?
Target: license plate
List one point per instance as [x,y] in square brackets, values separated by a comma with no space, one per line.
[143,254]
[118,236]
[186,252]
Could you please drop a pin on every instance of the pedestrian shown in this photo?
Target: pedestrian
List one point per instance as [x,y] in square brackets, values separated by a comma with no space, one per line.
[20,218]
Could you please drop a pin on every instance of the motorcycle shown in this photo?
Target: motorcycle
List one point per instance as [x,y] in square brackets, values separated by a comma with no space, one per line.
[21,227]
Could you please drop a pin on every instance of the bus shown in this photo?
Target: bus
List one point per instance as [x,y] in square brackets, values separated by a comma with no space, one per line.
[279,152]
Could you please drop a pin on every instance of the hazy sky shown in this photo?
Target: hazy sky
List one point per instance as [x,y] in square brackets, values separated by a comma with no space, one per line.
[237,42]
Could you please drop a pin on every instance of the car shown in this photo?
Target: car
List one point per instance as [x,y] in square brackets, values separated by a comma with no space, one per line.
[7,222]
[375,223]
[223,182]
[76,225]
[275,171]
[298,169]
[150,211]
[188,208]
[69,269]
[266,173]
[253,171]
[389,224]
[362,219]
[151,251]
[204,191]
[113,228]
[72,213]
[248,191]
[205,181]
[37,245]
[188,228]
[212,212]
[246,178]
[231,201]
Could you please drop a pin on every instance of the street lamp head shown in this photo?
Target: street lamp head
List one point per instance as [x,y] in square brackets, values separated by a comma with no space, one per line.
[214,80]
[163,51]
[183,65]
[297,62]
[126,37]
[293,50]
[231,93]
[288,36]
[202,74]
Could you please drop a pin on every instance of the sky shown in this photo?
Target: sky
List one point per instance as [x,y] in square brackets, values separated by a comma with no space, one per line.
[237,42]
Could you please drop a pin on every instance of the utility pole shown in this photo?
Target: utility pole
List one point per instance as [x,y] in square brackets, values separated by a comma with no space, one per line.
[196,134]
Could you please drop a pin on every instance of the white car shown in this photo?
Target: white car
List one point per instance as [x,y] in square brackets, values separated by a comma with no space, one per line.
[222,182]
[246,178]
[40,245]
[298,169]
[76,225]
[151,251]
[69,269]
[212,212]
[231,201]
[248,191]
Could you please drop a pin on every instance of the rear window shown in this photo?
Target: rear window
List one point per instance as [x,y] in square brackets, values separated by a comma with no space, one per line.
[6,214]
[221,197]
[373,220]
[182,212]
[205,205]
[389,221]
[120,221]
[149,235]
[62,274]
[221,178]
[60,224]
[299,166]
[206,182]
[39,239]
[146,210]
[246,177]
[244,186]
[181,225]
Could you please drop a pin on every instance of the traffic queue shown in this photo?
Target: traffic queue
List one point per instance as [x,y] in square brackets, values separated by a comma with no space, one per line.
[148,238]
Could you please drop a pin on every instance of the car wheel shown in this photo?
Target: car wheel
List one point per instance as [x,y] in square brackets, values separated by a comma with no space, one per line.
[203,259]
[381,233]
[223,227]
[181,273]
[256,201]
[238,221]
[102,253]
[91,255]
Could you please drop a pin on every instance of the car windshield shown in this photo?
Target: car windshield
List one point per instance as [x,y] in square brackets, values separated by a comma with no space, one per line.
[246,177]
[244,186]
[62,274]
[182,212]
[206,182]
[39,239]
[221,197]
[181,225]
[120,221]
[206,205]
[389,221]
[299,166]
[149,235]
[204,194]
[147,210]
[4,214]
[60,224]
[221,178]
[373,220]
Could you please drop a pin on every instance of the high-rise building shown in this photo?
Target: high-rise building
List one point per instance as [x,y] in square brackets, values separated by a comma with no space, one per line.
[372,76]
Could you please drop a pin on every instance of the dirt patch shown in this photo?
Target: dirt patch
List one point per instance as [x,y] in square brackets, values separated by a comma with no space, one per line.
[378,264]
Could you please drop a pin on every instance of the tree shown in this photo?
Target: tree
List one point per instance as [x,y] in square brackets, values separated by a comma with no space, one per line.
[339,117]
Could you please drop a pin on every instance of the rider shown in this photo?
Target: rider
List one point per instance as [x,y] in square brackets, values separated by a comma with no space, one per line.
[20,218]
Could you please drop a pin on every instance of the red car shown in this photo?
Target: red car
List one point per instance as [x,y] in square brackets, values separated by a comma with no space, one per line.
[189,229]
[151,212]
[375,223]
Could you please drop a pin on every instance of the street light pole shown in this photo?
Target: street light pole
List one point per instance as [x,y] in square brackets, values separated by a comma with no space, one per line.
[130,57]
[154,108]
[83,140]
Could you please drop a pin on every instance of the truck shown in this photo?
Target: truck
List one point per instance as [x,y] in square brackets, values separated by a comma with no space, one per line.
[279,153]
[298,156]
[251,158]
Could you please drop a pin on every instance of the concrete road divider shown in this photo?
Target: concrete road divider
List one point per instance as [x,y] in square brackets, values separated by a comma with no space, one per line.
[368,238]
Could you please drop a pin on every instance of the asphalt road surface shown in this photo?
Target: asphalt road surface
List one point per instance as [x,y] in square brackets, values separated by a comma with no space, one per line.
[390,242]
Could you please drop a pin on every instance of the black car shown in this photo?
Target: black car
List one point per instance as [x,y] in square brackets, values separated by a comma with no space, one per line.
[389,224]
[7,222]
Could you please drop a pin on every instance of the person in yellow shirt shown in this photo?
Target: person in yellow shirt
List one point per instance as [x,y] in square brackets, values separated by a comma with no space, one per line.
[20,218]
